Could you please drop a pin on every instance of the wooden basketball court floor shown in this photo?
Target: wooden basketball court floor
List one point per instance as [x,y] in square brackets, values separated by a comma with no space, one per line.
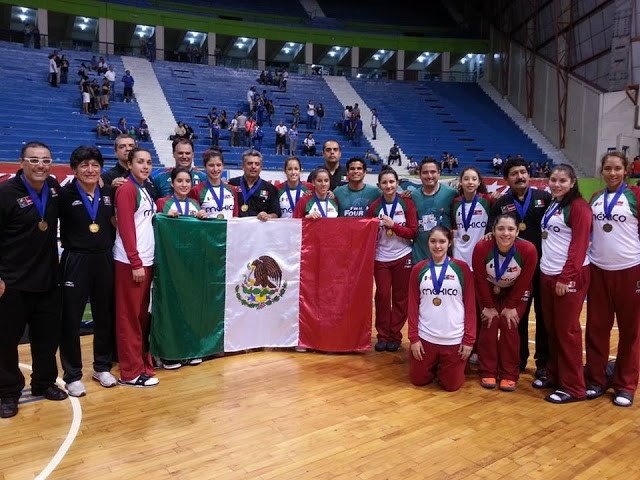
[289,415]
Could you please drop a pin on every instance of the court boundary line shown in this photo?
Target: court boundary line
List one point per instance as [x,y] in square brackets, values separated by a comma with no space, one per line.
[71,434]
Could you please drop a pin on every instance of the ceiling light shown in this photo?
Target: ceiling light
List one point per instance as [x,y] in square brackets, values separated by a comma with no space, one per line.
[243,39]
[86,20]
[239,45]
[83,27]
[332,54]
[464,60]
[286,49]
[291,44]
[382,51]
[143,28]
[376,57]
[22,17]
[24,10]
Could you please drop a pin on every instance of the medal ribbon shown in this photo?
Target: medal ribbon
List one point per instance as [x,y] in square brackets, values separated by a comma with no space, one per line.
[549,213]
[218,199]
[439,280]
[466,219]
[90,206]
[608,207]
[179,207]
[292,204]
[394,205]
[322,211]
[39,201]
[522,209]
[501,269]
[246,196]
[144,192]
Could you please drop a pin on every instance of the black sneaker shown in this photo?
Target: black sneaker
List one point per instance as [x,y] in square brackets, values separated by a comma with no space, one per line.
[50,393]
[8,407]
[381,346]
[393,346]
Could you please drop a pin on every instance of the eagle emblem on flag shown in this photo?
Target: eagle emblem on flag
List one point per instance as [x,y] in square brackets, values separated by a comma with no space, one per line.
[262,285]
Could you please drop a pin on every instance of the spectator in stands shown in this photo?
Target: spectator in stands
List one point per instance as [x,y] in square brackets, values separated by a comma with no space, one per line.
[29,292]
[293,140]
[95,96]
[53,70]
[105,90]
[85,88]
[233,131]
[281,137]
[394,154]
[269,77]
[319,116]
[84,255]
[295,113]
[263,78]
[309,145]
[270,111]
[222,120]
[357,131]
[355,111]
[215,133]
[143,131]
[497,164]
[212,117]
[311,115]
[374,122]
[258,135]
[104,128]
[128,81]
[94,63]
[371,158]
[110,75]
[412,167]
[250,94]
[250,126]
[346,120]
[36,37]
[28,35]
[284,78]
[180,131]
[242,128]
[256,198]
[450,162]
[635,167]
[64,69]
[102,66]
[261,112]
[122,126]
[546,170]
[332,154]
[82,71]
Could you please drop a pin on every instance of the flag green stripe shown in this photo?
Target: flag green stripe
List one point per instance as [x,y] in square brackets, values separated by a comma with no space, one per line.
[190,257]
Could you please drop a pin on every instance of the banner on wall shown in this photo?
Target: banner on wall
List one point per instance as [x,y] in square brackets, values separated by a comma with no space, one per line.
[225,286]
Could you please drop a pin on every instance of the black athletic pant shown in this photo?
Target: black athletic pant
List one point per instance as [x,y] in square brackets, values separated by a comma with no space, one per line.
[86,276]
[542,342]
[41,311]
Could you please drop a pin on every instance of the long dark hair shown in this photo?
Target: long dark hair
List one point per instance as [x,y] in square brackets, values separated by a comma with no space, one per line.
[447,233]
[482,188]
[574,192]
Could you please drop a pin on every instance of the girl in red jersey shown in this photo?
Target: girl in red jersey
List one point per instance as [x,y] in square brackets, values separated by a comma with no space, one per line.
[615,284]
[398,227]
[442,315]
[179,204]
[133,261]
[564,280]
[217,199]
[320,204]
[503,268]
[290,192]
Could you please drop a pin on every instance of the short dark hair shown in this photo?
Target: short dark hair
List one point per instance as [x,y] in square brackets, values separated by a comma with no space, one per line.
[34,144]
[512,163]
[426,160]
[356,159]
[83,153]
[178,141]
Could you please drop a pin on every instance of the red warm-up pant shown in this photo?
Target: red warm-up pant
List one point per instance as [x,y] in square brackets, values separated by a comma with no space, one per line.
[132,322]
[500,357]
[562,319]
[614,292]
[392,286]
[441,359]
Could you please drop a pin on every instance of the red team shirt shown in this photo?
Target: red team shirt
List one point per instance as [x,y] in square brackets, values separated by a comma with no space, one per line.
[201,194]
[405,228]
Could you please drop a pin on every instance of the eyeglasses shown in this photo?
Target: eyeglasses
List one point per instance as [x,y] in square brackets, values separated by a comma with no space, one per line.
[36,160]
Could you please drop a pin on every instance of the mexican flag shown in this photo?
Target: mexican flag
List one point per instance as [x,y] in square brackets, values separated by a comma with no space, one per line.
[225,286]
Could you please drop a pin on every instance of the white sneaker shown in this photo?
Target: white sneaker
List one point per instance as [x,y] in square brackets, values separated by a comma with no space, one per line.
[140,381]
[105,378]
[76,389]
[171,364]
[194,361]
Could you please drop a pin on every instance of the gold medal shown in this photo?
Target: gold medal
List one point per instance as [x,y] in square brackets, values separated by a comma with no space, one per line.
[496,289]
[43,225]
[220,216]
[607,227]
[466,238]
[436,301]
[94,228]
[244,208]
[545,234]
[522,226]
[389,233]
